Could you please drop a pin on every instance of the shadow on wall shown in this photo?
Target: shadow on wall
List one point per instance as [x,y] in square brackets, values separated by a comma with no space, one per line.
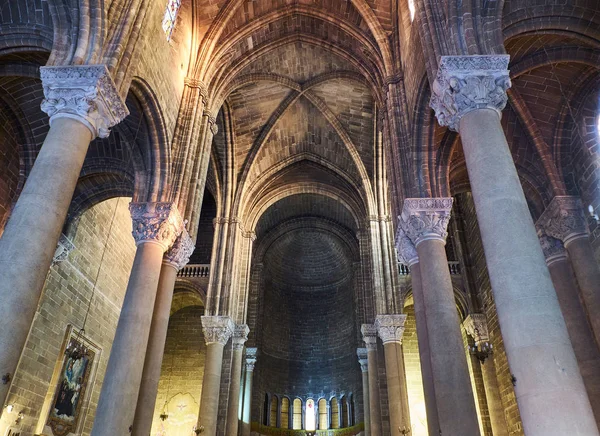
[181,412]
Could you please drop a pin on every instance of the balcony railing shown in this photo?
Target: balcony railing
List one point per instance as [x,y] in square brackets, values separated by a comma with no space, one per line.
[194,271]
[453,267]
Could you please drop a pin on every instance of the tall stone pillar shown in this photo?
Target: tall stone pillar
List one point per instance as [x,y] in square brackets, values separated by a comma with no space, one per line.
[364,369]
[468,96]
[155,228]
[217,331]
[476,327]
[239,338]
[564,220]
[82,102]
[391,329]
[174,259]
[407,253]
[580,332]
[369,334]
[424,220]
[247,406]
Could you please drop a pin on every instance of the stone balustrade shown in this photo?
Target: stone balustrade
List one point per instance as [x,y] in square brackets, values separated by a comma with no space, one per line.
[453,266]
[202,270]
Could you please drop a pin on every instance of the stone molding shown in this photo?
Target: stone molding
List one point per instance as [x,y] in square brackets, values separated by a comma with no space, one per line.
[405,249]
[86,93]
[197,84]
[240,336]
[217,329]
[212,122]
[476,326]
[63,248]
[362,354]
[369,335]
[423,219]
[158,222]
[390,328]
[564,219]
[251,353]
[179,254]
[554,249]
[467,83]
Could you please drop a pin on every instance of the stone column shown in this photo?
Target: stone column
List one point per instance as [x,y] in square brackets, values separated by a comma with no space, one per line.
[468,96]
[580,332]
[364,368]
[369,334]
[476,327]
[407,253]
[217,331]
[240,336]
[247,406]
[82,102]
[155,228]
[174,259]
[564,219]
[391,329]
[425,220]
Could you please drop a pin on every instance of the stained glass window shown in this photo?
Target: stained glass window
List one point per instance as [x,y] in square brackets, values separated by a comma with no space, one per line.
[168,23]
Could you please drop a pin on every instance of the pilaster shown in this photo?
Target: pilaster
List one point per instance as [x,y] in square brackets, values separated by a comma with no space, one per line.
[217,329]
[424,219]
[369,334]
[251,353]
[179,254]
[85,93]
[467,83]
[159,223]
[390,328]
[564,219]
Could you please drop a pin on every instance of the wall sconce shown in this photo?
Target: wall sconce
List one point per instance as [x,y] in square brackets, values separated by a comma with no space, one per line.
[199,430]
[20,417]
[163,416]
[404,430]
[6,378]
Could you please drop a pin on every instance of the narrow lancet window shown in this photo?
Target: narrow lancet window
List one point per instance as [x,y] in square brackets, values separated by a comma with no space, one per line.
[168,23]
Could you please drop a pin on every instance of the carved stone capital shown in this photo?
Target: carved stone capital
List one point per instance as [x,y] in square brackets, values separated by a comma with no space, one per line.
[240,336]
[198,84]
[217,329]
[251,358]
[369,334]
[553,248]
[63,248]
[160,223]
[405,249]
[85,93]
[390,328]
[564,219]
[363,359]
[426,218]
[476,326]
[179,254]
[467,83]
[212,122]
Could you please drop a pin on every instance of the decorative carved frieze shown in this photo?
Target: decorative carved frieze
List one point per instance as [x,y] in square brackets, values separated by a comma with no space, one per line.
[179,254]
[405,249]
[476,326]
[240,336]
[64,247]
[390,327]
[369,334]
[217,329]
[251,353]
[156,222]
[553,248]
[564,219]
[363,359]
[86,93]
[425,218]
[467,83]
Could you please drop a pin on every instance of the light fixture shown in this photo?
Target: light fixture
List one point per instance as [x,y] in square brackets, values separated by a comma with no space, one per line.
[20,417]
[6,378]
[9,408]
[76,348]
[593,215]
[404,430]
[163,416]
[199,430]
[481,350]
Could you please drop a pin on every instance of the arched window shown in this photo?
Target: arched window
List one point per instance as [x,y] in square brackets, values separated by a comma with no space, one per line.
[284,416]
[351,418]
[344,402]
[168,23]
[266,407]
[273,412]
[310,419]
[297,421]
[335,413]
[323,424]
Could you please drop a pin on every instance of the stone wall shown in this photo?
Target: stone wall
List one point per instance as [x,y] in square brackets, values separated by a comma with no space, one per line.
[9,168]
[64,301]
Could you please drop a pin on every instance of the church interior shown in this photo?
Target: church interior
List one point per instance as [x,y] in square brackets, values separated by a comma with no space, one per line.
[299,217]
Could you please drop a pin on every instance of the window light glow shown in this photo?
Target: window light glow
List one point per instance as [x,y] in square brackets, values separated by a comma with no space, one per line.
[169,20]
[411,8]
[309,420]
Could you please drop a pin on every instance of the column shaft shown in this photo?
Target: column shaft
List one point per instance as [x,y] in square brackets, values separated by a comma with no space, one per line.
[211,384]
[550,392]
[144,412]
[234,393]
[366,404]
[396,385]
[32,232]
[374,401]
[492,396]
[247,403]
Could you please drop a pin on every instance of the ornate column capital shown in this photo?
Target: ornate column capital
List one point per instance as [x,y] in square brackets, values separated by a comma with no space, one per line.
[85,93]
[63,248]
[369,334]
[390,327]
[467,83]
[553,248]
[240,336]
[405,249]
[179,254]
[363,359]
[426,218]
[476,326]
[160,223]
[251,353]
[217,329]
[564,219]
